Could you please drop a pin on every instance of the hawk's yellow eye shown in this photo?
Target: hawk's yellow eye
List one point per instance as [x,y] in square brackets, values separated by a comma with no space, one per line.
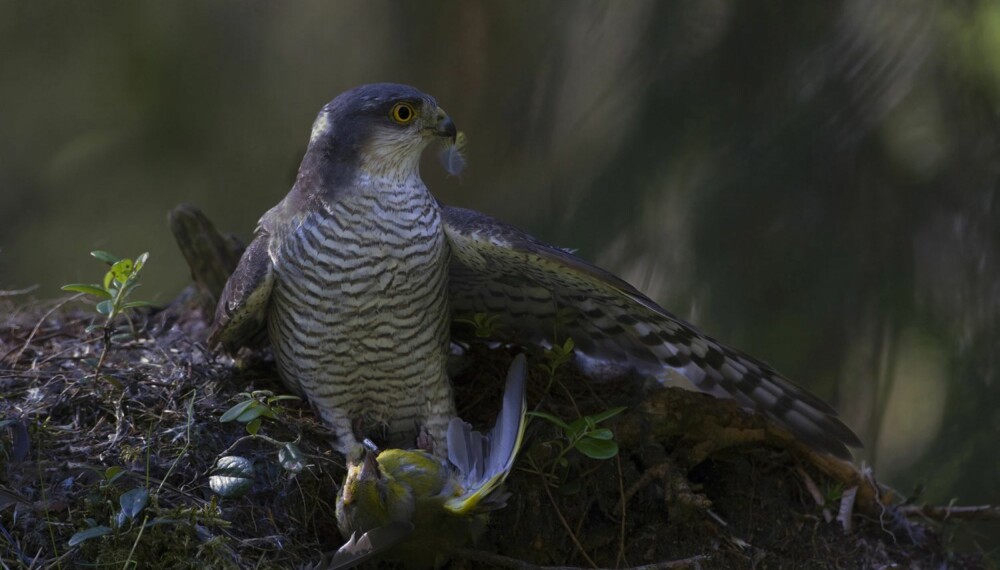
[403,113]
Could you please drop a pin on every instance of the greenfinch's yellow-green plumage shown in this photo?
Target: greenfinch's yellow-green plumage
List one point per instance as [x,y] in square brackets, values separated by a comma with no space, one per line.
[411,506]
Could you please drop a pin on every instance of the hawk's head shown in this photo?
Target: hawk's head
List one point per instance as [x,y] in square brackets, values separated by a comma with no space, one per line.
[375,130]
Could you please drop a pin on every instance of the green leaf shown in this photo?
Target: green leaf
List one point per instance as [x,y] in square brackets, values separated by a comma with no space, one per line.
[597,448]
[111,380]
[577,427]
[88,534]
[235,411]
[601,433]
[232,476]
[134,304]
[139,262]
[105,307]
[549,418]
[106,257]
[253,426]
[122,337]
[606,415]
[132,502]
[88,289]
[254,411]
[233,466]
[122,270]
[290,457]
[113,473]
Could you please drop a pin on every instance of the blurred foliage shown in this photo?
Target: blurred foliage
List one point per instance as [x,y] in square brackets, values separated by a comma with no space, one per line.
[815,183]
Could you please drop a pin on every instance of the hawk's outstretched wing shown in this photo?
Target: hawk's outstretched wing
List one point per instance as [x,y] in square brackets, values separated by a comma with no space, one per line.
[538,290]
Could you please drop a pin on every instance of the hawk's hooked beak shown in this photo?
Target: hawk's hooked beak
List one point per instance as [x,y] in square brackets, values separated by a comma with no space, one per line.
[443,125]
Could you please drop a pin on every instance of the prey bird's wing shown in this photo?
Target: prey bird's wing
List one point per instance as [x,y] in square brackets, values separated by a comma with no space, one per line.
[242,311]
[484,461]
[543,294]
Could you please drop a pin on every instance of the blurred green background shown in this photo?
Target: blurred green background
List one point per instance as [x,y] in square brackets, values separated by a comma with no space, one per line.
[815,183]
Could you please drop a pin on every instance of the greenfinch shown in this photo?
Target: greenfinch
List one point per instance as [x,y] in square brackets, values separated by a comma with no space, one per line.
[411,506]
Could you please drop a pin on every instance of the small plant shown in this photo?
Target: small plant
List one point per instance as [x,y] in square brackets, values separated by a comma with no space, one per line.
[251,411]
[832,492]
[483,325]
[254,407]
[119,282]
[584,435]
[131,503]
[130,516]
[554,358]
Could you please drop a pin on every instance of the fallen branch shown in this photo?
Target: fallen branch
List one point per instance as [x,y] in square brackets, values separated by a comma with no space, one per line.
[15,292]
[943,513]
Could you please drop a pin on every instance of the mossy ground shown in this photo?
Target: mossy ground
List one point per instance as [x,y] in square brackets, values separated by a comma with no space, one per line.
[702,481]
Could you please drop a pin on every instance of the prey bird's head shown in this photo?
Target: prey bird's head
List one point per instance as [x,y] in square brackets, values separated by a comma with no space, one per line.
[371,496]
[376,130]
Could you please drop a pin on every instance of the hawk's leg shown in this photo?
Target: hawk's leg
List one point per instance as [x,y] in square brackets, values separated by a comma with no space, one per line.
[440,409]
[424,440]
[342,426]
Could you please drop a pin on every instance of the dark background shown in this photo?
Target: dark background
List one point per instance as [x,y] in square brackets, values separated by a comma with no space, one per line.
[815,183]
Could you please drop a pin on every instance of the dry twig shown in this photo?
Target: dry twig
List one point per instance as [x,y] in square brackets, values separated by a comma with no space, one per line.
[562,519]
[946,512]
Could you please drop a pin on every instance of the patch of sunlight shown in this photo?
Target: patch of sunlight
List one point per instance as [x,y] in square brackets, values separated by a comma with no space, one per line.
[987,30]
[974,42]
[916,404]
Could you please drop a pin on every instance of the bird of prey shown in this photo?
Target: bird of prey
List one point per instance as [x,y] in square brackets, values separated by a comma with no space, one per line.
[356,274]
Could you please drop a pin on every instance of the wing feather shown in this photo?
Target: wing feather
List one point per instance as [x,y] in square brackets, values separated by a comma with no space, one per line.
[242,310]
[544,294]
[484,461]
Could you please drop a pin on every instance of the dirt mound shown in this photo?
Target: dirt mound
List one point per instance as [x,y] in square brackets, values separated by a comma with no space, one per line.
[125,457]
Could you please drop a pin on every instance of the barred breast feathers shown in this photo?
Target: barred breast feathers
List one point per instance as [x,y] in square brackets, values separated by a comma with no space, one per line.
[374,264]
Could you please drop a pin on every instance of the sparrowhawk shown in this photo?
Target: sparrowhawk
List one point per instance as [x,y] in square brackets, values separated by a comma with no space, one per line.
[356,273]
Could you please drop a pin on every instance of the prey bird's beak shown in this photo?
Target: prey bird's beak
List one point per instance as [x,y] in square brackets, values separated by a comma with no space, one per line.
[443,126]
[369,467]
